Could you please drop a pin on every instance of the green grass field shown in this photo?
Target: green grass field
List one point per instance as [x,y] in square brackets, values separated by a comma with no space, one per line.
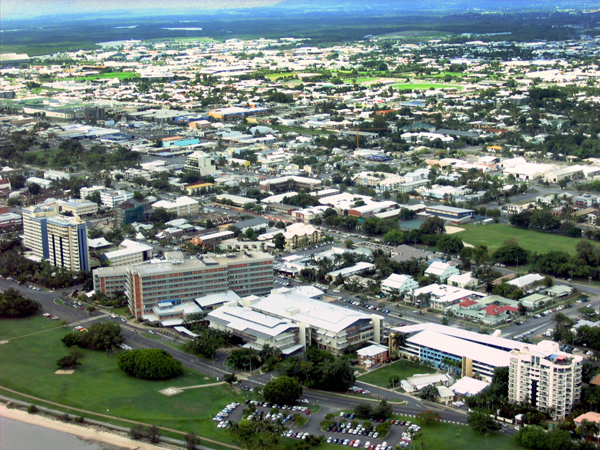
[276,76]
[28,365]
[425,86]
[444,436]
[494,235]
[403,368]
[360,80]
[119,75]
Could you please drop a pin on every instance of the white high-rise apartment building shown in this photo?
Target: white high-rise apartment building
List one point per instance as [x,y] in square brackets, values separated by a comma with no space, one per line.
[35,229]
[62,241]
[545,377]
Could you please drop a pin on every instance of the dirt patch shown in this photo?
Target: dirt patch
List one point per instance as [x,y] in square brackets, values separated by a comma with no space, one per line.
[453,230]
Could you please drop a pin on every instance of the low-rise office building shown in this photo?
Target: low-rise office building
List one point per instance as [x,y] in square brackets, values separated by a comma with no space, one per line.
[459,352]
[256,329]
[130,252]
[112,198]
[110,281]
[289,183]
[450,213]
[330,327]
[183,206]
[78,207]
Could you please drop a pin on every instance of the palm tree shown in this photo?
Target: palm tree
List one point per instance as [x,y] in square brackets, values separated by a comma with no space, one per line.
[397,340]
[588,428]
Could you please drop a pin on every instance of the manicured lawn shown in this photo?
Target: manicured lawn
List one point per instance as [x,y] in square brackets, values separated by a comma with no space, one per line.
[276,76]
[28,365]
[122,311]
[403,368]
[361,80]
[119,75]
[444,436]
[151,336]
[11,328]
[494,235]
[50,152]
[424,86]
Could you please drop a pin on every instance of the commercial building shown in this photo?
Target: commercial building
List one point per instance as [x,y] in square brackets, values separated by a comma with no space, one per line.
[372,208]
[545,377]
[459,352]
[212,238]
[112,198]
[451,213]
[110,281]
[256,329]
[180,279]
[200,163]
[62,241]
[328,326]
[289,183]
[356,269]
[78,207]
[132,211]
[10,220]
[235,200]
[182,206]
[85,192]
[130,252]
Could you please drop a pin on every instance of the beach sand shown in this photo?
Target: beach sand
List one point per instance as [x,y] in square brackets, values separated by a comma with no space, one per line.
[108,441]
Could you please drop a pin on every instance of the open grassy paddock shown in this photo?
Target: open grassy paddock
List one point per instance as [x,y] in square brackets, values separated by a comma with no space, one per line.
[403,368]
[494,235]
[119,75]
[425,86]
[99,386]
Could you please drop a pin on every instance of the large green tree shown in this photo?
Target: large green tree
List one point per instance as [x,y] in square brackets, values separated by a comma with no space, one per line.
[13,305]
[282,391]
[150,364]
[481,422]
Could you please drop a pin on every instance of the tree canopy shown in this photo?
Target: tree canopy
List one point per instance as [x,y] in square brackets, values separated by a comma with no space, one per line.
[150,364]
[14,305]
[100,336]
[282,391]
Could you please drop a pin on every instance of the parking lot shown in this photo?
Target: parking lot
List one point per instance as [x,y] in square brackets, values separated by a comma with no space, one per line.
[344,429]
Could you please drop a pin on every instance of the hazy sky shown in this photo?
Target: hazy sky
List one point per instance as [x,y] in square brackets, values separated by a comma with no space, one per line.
[18,9]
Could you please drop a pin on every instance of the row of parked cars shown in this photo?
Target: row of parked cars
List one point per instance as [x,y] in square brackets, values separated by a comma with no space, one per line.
[296,408]
[50,316]
[296,435]
[358,390]
[221,417]
[346,428]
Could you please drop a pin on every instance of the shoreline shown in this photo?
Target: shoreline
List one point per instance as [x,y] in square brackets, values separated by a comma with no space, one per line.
[84,432]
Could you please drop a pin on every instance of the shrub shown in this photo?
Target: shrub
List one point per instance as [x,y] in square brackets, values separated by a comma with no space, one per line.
[136,432]
[32,409]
